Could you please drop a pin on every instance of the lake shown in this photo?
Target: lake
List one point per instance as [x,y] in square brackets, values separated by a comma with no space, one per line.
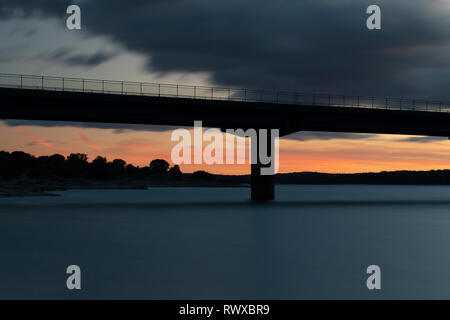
[313,242]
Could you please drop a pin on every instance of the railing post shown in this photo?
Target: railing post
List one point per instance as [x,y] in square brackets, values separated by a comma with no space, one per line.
[386,103]
[358,101]
[245,94]
[426,105]
[400,103]
[159,89]
[140,88]
[177,90]
[329,100]
[103,86]
[373,98]
[343,101]
[64,85]
[212,93]
[83,85]
[122,87]
[21,81]
[195,92]
[414,104]
[229,95]
[42,83]
[440,106]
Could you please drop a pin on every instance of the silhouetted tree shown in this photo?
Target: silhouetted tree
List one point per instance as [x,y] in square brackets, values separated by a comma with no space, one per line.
[77,165]
[203,175]
[5,165]
[77,158]
[57,159]
[131,170]
[57,163]
[20,163]
[46,166]
[118,166]
[99,168]
[159,166]
[175,172]
[100,162]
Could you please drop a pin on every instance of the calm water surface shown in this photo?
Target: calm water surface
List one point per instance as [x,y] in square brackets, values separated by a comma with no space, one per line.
[212,243]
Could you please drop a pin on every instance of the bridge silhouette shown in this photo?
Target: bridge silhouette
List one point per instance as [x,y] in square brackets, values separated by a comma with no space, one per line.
[30,97]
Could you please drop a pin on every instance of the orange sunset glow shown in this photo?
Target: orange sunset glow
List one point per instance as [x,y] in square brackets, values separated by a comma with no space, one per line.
[373,154]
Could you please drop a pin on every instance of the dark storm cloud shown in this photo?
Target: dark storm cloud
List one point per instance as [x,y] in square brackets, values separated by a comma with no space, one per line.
[23,8]
[320,45]
[118,127]
[67,56]
[310,135]
[309,45]
[423,139]
[121,128]
[90,60]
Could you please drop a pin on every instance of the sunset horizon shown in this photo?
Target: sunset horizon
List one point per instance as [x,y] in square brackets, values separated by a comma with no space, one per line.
[367,153]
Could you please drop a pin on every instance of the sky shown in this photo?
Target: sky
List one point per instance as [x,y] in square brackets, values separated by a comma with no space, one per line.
[320,46]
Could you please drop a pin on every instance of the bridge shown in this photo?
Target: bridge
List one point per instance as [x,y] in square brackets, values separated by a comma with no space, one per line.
[30,97]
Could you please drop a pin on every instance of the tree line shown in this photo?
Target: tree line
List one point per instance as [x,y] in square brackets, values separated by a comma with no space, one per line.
[20,164]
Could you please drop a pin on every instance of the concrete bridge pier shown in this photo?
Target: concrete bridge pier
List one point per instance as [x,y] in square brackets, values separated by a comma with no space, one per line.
[262,186]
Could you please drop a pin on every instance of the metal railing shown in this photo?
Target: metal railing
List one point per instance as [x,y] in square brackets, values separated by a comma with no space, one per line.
[216,93]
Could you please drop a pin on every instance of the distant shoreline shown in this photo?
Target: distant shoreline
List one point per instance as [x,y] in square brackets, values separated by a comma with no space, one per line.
[22,174]
[44,187]
[22,188]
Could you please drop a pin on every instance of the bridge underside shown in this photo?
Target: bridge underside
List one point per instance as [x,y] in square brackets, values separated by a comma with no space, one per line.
[23,104]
